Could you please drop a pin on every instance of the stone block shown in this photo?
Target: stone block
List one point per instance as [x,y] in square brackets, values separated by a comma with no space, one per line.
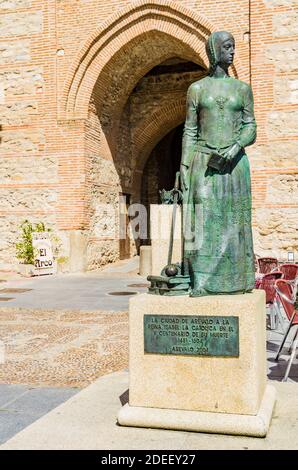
[160,229]
[27,81]
[284,56]
[21,142]
[145,260]
[282,123]
[283,188]
[28,170]
[279,3]
[285,24]
[286,90]
[18,113]
[12,52]
[13,4]
[275,231]
[105,220]
[200,383]
[101,252]
[202,421]
[78,249]
[276,155]
[19,24]
[27,199]
[103,171]
[219,388]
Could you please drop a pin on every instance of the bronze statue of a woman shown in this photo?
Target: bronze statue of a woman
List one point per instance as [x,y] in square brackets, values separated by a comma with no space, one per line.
[215,177]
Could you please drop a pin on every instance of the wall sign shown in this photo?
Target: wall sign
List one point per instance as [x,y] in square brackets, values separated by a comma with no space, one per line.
[43,259]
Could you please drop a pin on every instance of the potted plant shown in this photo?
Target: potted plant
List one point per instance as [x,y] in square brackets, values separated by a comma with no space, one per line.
[25,252]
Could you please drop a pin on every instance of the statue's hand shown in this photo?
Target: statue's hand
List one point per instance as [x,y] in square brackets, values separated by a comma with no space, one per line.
[232,152]
[183,178]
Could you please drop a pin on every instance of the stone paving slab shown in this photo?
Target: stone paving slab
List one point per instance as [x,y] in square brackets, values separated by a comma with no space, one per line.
[78,292]
[21,405]
[10,392]
[88,421]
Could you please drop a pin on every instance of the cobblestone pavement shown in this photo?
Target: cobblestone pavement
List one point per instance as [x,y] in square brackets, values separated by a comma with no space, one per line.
[59,333]
[69,348]
[66,330]
[61,348]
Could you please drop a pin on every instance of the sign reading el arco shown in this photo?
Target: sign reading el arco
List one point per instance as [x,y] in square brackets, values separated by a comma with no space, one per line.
[191,335]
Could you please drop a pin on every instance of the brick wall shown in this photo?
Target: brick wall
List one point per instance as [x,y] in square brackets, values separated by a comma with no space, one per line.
[274,157]
[71,138]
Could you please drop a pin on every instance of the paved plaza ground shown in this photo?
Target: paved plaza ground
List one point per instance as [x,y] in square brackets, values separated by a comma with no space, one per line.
[64,332]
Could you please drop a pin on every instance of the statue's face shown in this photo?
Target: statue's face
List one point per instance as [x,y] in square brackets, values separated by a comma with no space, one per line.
[227,51]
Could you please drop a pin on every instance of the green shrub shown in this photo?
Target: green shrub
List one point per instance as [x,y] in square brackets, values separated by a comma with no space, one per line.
[24,248]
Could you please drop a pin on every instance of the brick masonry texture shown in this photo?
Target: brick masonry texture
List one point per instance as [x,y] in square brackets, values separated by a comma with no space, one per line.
[78,126]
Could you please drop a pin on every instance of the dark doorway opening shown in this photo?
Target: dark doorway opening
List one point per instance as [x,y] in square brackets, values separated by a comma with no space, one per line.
[161,167]
[160,171]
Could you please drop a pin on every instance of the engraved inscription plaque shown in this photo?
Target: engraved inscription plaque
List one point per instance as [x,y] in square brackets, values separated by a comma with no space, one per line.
[191,335]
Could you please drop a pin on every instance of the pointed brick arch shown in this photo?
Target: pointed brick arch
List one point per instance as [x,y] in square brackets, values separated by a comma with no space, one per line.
[137,19]
[151,131]
[155,127]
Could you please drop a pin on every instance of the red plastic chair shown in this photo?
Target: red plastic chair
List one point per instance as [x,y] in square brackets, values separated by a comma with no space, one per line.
[286,292]
[289,271]
[266,265]
[267,283]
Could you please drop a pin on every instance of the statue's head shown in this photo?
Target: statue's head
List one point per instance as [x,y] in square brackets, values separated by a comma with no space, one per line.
[220,48]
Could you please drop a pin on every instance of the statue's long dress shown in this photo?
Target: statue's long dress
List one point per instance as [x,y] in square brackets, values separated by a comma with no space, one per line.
[217,207]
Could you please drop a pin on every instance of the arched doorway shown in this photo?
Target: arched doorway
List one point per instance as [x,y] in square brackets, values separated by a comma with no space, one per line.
[128,85]
[146,137]
[161,167]
[146,133]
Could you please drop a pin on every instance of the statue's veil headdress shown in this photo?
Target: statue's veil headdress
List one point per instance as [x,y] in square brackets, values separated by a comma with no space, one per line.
[213,48]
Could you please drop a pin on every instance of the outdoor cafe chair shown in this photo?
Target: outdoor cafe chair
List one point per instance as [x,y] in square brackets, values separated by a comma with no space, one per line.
[289,271]
[266,265]
[287,291]
[268,284]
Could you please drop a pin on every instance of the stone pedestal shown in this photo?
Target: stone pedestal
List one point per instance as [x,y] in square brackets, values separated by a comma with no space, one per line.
[78,251]
[160,230]
[204,393]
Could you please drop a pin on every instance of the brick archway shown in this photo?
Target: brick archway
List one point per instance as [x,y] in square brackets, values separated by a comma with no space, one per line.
[152,130]
[137,19]
[97,96]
